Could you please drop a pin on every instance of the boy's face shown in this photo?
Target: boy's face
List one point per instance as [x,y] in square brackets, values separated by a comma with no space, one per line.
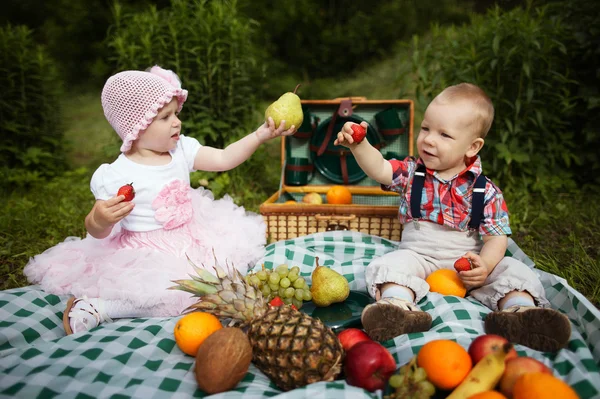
[448,137]
[163,133]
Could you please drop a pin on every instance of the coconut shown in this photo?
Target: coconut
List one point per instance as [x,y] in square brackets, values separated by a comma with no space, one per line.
[223,360]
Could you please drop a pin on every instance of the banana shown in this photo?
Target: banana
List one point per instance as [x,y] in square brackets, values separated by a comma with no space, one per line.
[484,376]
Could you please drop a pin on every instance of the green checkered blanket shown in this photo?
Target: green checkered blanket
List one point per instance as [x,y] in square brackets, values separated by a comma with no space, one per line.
[139,358]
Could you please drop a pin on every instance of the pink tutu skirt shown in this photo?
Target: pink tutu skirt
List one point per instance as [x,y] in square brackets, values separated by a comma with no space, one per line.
[138,267]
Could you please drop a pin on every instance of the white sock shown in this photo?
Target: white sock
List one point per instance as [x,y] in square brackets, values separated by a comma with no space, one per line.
[398,291]
[124,310]
[517,300]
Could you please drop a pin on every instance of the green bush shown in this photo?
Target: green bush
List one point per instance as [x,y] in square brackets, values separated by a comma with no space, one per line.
[31,138]
[582,18]
[323,39]
[36,219]
[518,58]
[209,45]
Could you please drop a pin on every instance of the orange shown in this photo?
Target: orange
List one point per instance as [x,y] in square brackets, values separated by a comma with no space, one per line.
[290,202]
[339,195]
[488,395]
[446,363]
[542,386]
[192,329]
[446,282]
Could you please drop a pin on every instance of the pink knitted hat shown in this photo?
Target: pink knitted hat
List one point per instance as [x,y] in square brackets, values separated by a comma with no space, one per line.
[132,99]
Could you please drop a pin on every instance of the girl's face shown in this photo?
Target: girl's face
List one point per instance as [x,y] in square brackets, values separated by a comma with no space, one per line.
[163,133]
[448,138]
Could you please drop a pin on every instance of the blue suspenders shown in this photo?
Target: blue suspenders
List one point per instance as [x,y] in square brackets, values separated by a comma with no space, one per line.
[476,202]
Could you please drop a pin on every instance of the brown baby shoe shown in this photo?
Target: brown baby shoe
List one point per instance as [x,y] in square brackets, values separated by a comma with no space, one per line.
[542,329]
[390,317]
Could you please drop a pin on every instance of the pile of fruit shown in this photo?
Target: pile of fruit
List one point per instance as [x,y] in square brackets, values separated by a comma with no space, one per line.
[489,369]
[281,282]
[369,365]
[290,347]
[294,349]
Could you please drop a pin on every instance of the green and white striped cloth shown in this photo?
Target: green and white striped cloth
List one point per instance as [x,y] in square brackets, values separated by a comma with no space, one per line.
[138,358]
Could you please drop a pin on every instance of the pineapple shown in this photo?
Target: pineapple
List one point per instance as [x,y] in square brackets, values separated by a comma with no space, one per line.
[290,347]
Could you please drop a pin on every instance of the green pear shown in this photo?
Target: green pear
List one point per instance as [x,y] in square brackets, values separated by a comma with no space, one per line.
[287,108]
[328,286]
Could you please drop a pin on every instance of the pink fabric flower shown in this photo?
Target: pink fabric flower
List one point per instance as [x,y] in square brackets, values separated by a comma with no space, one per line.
[167,75]
[173,205]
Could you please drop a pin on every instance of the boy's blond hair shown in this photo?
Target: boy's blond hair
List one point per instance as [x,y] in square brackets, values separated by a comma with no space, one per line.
[482,105]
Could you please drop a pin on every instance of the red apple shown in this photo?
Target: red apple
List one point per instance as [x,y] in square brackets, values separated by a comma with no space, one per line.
[369,365]
[488,343]
[517,367]
[352,336]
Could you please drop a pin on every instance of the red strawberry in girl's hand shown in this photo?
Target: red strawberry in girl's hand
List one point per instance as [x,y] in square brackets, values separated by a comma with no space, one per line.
[127,191]
[462,264]
[358,133]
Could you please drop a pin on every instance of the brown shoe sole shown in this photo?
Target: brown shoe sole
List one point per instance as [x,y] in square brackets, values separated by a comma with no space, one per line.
[383,322]
[545,330]
[66,321]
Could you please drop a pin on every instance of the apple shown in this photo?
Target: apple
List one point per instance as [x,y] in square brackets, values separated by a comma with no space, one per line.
[515,368]
[312,198]
[351,337]
[369,365]
[486,344]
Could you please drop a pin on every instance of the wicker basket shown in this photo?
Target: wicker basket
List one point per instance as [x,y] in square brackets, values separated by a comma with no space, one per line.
[373,211]
[286,221]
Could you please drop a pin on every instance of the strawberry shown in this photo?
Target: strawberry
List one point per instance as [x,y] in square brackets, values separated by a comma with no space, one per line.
[294,307]
[358,133]
[275,302]
[127,191]
[462,264]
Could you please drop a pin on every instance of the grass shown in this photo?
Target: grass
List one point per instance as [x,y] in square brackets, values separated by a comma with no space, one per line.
[555,232]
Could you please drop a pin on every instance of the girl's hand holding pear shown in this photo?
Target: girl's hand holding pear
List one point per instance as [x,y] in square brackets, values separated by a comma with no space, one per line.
[268,130]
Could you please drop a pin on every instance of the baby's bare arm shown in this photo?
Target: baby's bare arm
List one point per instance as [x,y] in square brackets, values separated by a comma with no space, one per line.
[216,160]
[105,214]
[493,250]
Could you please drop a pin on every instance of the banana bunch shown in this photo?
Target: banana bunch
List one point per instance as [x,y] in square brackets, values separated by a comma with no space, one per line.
[484,376]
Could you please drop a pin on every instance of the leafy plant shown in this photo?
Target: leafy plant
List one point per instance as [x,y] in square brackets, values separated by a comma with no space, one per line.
[209,45]
[328,38]
[31,136]
[517,57]
[33,220]
[582,18]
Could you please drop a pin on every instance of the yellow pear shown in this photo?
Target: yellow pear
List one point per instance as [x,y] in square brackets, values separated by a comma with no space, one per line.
[328,286]
[312,198]
[287,108]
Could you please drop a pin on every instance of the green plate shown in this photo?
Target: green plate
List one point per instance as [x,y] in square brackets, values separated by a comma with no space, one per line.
[328,164]
[341,315]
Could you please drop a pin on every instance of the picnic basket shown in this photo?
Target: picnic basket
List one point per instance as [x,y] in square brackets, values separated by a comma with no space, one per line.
[310,162]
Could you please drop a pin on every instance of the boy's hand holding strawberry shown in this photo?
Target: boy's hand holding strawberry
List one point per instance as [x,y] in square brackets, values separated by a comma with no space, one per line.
[351,134]
[477,275]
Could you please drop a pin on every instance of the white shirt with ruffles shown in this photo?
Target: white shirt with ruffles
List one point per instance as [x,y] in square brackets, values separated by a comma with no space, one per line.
[148,181]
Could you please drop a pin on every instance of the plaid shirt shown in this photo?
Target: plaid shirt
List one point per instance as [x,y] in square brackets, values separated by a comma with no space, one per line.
[448,202]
